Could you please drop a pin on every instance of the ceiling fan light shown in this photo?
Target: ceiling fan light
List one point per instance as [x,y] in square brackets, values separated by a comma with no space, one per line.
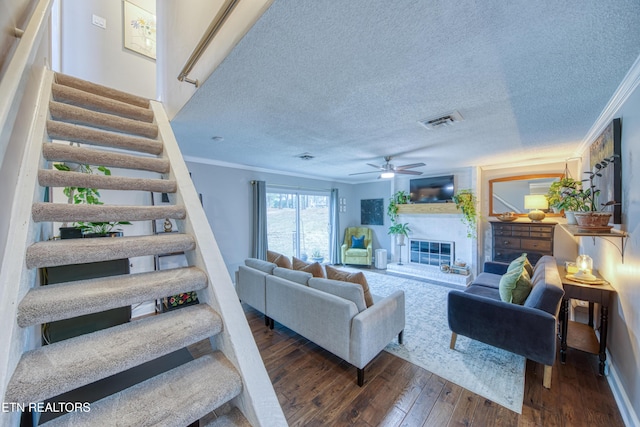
[388,174]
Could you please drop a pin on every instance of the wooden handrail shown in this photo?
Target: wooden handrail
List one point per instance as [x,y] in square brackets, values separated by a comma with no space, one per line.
[202,45]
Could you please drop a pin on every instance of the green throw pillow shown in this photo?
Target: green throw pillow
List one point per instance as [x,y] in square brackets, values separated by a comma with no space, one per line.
[518,263]
[515,286]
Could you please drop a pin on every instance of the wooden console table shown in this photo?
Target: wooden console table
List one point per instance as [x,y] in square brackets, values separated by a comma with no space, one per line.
[578,335]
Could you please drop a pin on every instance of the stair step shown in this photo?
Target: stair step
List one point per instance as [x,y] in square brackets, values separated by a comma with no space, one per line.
[52,253]
[97,89]
[66,365]
[87,156]
[233,418]
[91,101]
[86,135]
[64,212]
[175,398]
[71,299]
[82,116]
[56,178]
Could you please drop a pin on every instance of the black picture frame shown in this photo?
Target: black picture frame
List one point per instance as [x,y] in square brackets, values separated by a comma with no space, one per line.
[372,212]
[608,144]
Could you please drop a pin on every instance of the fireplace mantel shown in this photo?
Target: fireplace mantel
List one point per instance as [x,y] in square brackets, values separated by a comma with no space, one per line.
[428,208]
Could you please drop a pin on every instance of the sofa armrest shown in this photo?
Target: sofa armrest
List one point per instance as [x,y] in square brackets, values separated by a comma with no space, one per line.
[375,327]
[495,267]
[250,286]
[526,331]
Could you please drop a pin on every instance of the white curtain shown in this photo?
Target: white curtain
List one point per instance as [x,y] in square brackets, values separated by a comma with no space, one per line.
[259,220]
[334,224]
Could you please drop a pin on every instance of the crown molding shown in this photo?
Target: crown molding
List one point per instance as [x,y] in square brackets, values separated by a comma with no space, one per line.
[628,85]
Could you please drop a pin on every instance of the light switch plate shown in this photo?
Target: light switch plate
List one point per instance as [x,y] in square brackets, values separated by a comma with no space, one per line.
[99,21]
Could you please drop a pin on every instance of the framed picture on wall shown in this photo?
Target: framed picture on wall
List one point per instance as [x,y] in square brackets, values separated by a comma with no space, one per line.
[372,212]
[608,144]
[139,28]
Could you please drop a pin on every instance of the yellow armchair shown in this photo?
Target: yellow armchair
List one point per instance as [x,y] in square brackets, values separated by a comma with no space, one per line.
[361,255]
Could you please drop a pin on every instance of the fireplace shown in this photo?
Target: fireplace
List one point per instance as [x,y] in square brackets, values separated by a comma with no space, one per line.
[431,252]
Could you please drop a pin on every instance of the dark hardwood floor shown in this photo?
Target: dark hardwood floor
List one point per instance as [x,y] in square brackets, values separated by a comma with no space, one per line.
[316,388]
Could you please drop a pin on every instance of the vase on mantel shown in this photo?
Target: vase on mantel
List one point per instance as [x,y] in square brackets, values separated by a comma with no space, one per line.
[593,221]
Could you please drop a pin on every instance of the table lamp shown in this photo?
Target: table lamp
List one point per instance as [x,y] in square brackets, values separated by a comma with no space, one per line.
[535,202]
[585,268]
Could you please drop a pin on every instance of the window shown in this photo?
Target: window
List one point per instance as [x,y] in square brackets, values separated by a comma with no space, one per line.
[298,223]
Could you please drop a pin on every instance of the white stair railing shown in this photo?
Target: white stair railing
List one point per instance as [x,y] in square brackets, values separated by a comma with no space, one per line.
[258,400]
[15,278]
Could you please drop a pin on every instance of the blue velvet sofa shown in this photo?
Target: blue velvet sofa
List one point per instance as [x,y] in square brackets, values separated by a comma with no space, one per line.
[529,330]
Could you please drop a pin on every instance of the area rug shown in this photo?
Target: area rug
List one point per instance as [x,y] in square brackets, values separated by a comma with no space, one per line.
[492,373]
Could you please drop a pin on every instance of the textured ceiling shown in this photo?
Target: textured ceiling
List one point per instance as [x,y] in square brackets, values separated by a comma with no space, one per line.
[348,81]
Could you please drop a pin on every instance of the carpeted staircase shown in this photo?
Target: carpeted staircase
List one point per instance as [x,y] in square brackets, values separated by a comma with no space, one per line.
[99,117]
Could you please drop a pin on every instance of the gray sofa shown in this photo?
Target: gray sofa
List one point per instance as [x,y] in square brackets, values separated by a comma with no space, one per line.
[529,330]
[330,313]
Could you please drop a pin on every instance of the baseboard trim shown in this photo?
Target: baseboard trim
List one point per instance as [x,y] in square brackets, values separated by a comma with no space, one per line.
[625,407]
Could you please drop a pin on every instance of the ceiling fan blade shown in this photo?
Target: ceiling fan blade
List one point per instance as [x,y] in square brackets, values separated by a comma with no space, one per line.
[412,165]
[362,173]
[407,172]
[374,166]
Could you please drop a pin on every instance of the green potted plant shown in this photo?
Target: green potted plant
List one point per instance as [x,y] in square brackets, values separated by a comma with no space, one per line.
[594,216]
[399,198]
[316,256]
[400,231]
[90,196]
[566,195]
[466,201]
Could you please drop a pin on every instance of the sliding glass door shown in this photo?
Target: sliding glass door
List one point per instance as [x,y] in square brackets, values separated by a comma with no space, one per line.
[298,223]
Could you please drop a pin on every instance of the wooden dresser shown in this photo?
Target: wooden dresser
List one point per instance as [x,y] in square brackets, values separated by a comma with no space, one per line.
[511,239]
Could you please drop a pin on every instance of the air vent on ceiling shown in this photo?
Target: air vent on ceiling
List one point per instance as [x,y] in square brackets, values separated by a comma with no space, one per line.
[305,156]
[441,121]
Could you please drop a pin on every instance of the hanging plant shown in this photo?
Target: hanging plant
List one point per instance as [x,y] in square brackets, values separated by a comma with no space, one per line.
[399,198]
[466,201]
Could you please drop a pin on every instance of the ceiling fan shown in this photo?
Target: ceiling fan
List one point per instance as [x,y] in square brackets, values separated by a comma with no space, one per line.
[388,170]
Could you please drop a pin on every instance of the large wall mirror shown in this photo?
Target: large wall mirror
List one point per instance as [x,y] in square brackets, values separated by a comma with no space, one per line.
[507,194]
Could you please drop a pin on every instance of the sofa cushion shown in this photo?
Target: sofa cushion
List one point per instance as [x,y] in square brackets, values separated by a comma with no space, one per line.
[297,276]
[515,286]
[350,291]
[488,280]
[345,276]
[483,291]
[314,268]
[357,242]
[278,259]
[357,252]
[258,264]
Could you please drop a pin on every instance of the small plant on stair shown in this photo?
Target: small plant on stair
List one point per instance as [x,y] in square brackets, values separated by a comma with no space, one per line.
[89,196]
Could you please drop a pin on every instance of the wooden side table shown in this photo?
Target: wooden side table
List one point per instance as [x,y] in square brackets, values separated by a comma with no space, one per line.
[578,335]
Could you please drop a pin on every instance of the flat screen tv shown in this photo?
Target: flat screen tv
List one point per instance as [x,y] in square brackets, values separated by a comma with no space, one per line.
[435,189]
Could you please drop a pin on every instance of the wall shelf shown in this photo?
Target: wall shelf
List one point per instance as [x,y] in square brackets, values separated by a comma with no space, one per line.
[611,236]
[428,208]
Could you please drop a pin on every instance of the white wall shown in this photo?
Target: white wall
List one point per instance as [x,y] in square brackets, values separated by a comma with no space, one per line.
[226,198]
[98,55]
[624,314]
[13,14]
[374,190]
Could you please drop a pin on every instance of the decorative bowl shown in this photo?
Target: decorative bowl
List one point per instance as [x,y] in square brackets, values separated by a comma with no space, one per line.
[507,217]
